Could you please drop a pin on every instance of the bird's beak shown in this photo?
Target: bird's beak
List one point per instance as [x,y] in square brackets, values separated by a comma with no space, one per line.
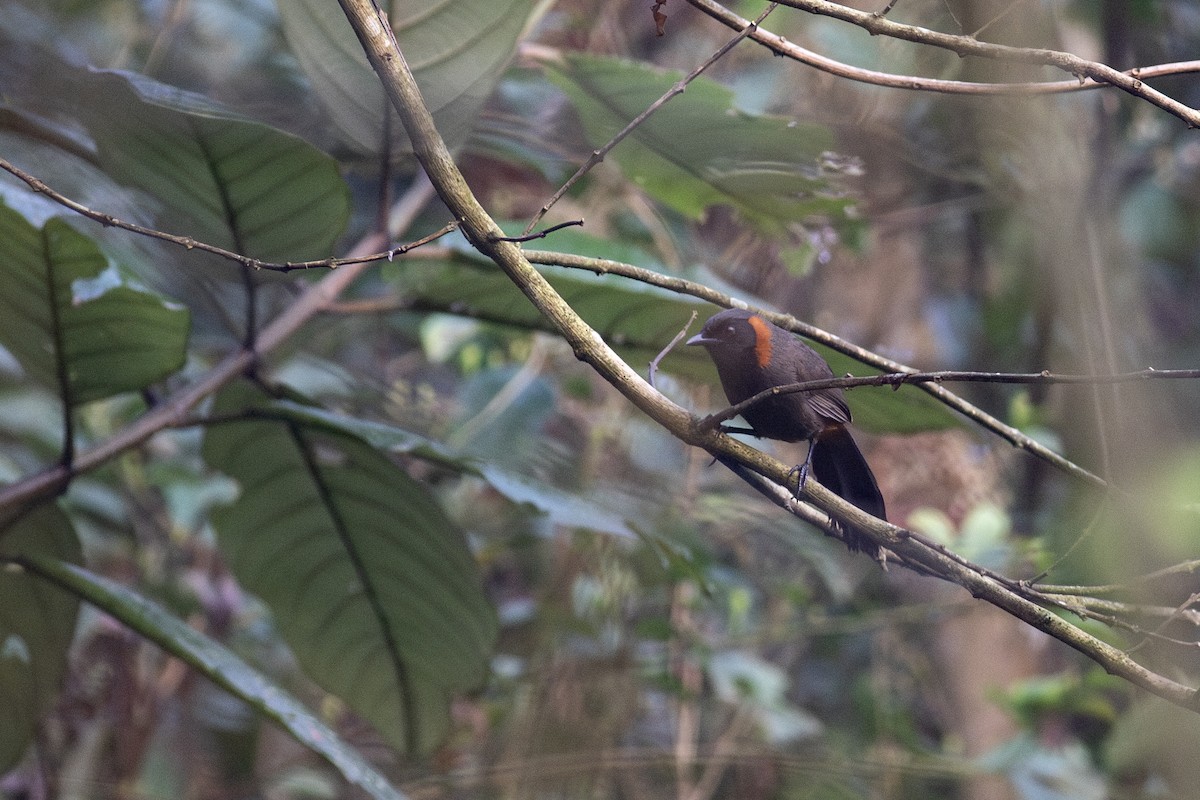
[699,338]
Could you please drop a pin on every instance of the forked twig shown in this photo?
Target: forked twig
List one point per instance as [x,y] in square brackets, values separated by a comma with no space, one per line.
[598,155]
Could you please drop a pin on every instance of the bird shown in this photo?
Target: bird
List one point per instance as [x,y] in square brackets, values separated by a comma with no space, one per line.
[752,355]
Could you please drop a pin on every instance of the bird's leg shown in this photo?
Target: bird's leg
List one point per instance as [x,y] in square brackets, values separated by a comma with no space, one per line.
[803,469]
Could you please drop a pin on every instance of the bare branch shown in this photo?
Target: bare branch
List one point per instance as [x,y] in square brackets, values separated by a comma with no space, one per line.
[1099,76]
[543,233]
[968,46]
[1184,568]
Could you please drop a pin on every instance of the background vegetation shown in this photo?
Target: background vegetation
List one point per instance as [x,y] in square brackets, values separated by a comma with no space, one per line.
[283,530]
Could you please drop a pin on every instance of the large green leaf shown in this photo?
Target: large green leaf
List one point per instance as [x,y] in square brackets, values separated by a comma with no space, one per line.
[699,150]
[638,320]
[223,179]
[457,50]
[71,321]
[213,661]
[37,622]
[371,585]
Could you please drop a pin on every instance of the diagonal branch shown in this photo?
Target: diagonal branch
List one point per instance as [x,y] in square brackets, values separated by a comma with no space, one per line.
[482,231]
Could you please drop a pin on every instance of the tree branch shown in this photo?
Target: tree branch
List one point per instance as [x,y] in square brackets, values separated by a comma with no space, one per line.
[963,45]
[781,46]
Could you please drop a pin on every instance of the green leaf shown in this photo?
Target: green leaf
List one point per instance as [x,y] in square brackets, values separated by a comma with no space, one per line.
[37,623]
[223,179]
[457,52]
[71,321]
[371,585]
[698,150]
[217,664]
[636,319]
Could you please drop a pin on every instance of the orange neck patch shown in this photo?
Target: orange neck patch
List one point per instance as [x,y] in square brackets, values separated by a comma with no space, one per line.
[762,340]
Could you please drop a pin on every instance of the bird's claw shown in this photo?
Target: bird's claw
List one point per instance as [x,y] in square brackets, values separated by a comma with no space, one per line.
[801,471]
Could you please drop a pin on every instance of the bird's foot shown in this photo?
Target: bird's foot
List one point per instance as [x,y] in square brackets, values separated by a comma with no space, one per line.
[801,471]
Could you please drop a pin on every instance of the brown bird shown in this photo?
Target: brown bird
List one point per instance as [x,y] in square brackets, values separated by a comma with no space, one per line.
[753,355]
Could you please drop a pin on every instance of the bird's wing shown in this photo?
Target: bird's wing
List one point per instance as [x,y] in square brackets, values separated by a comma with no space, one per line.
[830,406]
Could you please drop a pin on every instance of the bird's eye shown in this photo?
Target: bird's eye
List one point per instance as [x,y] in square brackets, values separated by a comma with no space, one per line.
[730,329]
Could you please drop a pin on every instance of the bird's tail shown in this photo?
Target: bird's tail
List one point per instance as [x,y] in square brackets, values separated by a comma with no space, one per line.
[840,467]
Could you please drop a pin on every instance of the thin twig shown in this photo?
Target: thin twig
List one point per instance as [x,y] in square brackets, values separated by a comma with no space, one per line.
[1184,568]
[598,155]
[542,234]
[188,243]
[898,379]
[1098,513]
[653,370]
[1011,7]
[883,12]
[1178,613]
[1116,607]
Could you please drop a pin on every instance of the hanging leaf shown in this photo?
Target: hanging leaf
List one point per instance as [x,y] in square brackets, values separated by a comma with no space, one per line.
[371,585]
[71,321]
[457,52]
[37,623]
[700,150]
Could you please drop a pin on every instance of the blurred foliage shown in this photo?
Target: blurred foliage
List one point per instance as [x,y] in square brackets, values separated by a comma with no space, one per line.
[422,541]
